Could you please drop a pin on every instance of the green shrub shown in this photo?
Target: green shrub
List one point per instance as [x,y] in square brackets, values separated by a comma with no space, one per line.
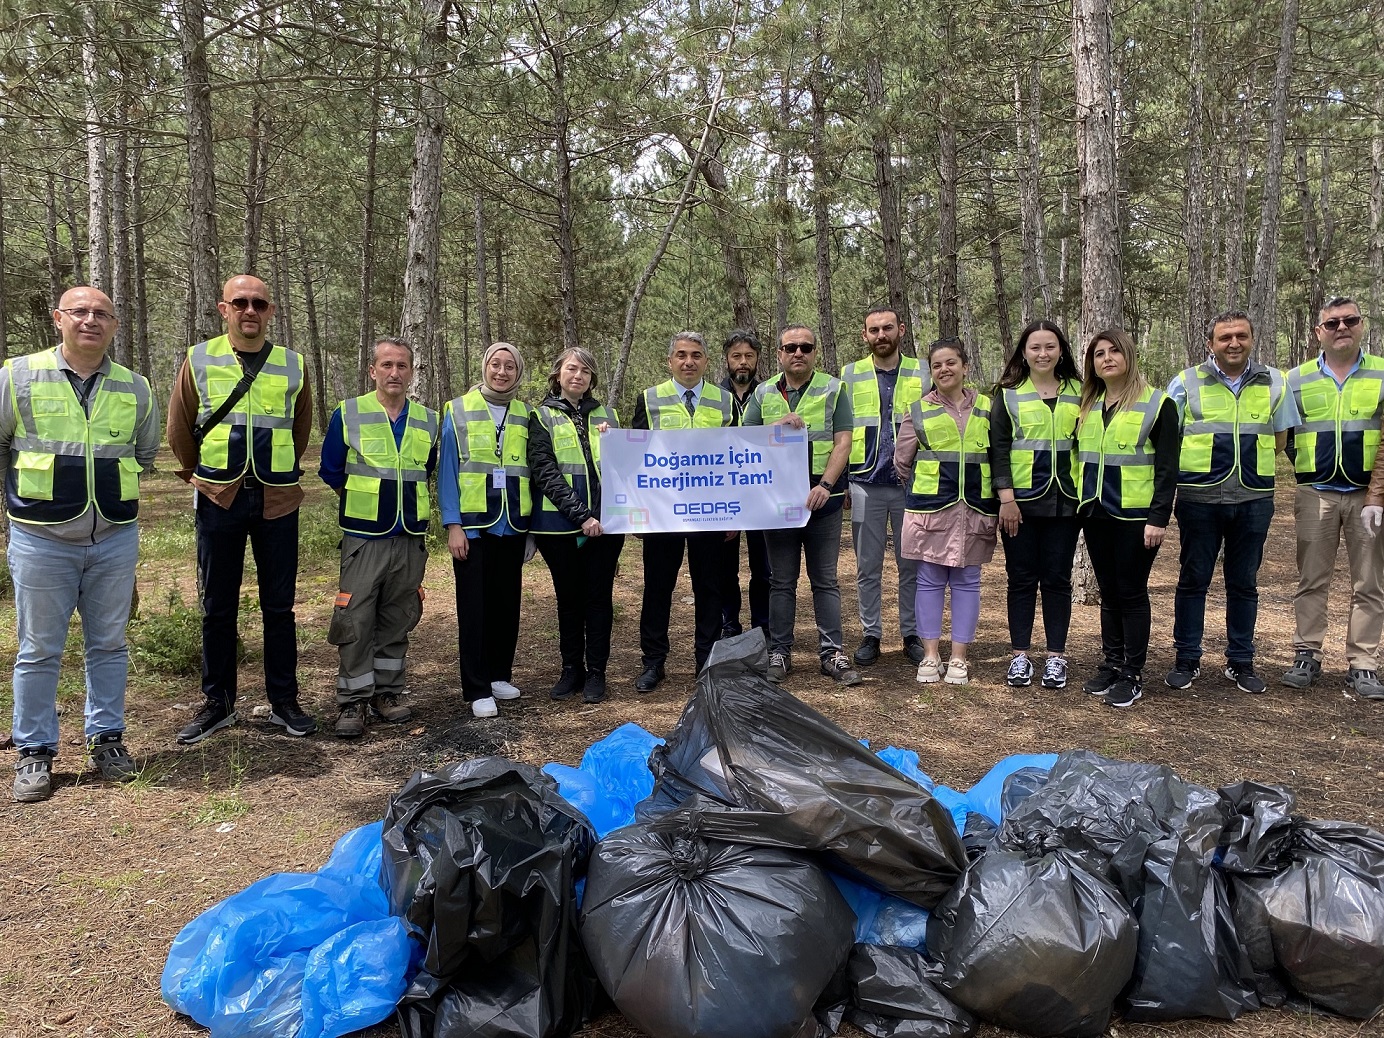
[168,642]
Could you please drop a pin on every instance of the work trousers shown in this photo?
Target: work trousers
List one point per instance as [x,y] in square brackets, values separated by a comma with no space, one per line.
[489,584]
[1122,566]
[379,603]
[730,582]
[662,559]
[876,508]
[1038,559]
[820,542]
[1203,528]
[583,580]
[1323,517]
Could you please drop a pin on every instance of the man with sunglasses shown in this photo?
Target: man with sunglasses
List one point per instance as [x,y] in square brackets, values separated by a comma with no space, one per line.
[813,401]
[76,430]
[238,423]
[1340,398]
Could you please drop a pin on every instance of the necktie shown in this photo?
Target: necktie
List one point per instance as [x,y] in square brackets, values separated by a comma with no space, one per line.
[687,401]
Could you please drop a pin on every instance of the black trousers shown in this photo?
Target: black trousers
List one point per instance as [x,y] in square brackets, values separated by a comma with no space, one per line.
[662,559]
[583,579]
[1122,565]
[731,598]
[1039,559]
[488,586]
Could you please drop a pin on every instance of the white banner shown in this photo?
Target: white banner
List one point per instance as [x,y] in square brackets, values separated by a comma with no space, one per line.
[691,480]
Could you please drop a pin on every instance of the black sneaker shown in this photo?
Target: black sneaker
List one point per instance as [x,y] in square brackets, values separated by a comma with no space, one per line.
[569,684]
[1123,693]
[1104,678]
[838,668]
[290,717]
[1245,679]
[594,688]
[868,652]
[1184,672]
[211,718]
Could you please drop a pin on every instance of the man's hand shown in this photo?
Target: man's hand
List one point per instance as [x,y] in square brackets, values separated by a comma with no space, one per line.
[457,543]
[817,497]
[592,527]
[1153,536]
[792,420]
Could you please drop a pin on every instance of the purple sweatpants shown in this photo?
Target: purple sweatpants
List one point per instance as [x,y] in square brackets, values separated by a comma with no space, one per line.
[933,581]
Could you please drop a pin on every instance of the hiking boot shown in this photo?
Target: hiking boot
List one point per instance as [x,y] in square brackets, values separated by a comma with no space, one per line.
[913,646]
[957,673]
[290,717]
[838,668]
[1124,692]
[1055,672]
[110,758]
[868,653]
[350,722]
[1305,670]
[780,665]
[1020,671]
[929,672]
[484,707]
[1100,684]
[386,706]
[649,678]
[1245,679]
[1184,672]
[594,689]
[569,684]
[504,690]
[1365,683]
[211,718]
[33,776]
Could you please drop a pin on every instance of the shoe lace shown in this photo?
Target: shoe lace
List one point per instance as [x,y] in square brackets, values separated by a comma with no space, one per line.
[1018,665]
[1054,665]
[778,659]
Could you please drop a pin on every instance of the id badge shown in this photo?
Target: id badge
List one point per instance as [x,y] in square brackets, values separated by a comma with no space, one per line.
[497,478]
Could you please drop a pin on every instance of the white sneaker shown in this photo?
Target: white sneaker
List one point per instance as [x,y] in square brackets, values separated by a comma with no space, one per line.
[957,673]
[484,708]
[930,671]
[503,690]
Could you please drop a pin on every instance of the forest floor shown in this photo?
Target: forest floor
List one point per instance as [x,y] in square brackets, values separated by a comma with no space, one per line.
[100,879]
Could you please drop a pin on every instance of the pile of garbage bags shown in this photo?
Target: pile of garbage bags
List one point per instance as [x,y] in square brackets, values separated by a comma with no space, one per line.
[762,874]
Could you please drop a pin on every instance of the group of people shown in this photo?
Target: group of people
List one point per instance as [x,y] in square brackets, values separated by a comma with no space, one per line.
[917,451]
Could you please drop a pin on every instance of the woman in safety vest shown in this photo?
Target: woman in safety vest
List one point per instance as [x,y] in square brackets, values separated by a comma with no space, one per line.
[565,456]
[1127,445]
[942,458]
[1032,440]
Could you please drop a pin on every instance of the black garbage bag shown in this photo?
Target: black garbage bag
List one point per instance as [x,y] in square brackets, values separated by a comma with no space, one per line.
[699,938]
[746,743]
[1038,945]
[892,997]
[480,859]
[1155,838]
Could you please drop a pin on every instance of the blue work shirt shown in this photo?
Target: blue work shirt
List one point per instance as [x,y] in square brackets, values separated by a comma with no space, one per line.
[333,467]
[449,490]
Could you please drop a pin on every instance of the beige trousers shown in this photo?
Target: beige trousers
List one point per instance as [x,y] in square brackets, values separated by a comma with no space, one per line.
[1322,517]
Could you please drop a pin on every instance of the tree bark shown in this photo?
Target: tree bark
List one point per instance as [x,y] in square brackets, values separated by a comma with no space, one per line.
[319,367]
[1235,223]
[501,298]
[566,247]
[137,265]
[948,273]
[281,279]
[4,313]
[204,287]
[366,313]
[120,253]
[1317,226]
[482,289]
[887,188]
[725,222]
[1376,248]
[98,172]
[1194,197]
[1036,293]
[782,222]
[256,185]
[992,219]
[50,243]
[822,183]
[1101,275]
[78,256]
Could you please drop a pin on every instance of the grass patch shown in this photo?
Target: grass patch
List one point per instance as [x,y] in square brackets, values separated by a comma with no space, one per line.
[168,641]
[221,807]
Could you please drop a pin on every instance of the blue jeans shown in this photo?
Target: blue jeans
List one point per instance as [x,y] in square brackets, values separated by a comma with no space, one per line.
[1243,528]
[52,579]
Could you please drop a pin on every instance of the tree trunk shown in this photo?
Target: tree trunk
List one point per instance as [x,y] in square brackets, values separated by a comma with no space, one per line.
[501,299]
[992,219]
[319,368]
[120,254]
[466,333]
[566,248]
[204,287]
[78,256]
[256,185]
[137,265]
[1101,276]
[281,279]
[1036,292]
[1376,246]
[50,243]
[821,205]
[887,188]
[948,274]
[1263,289]
[1064,254]
[4,313]
[366,312]
[98,172]
[1235,222]
[713,173]
[482,289]
[1194,198]
[1317,227]
[782,224]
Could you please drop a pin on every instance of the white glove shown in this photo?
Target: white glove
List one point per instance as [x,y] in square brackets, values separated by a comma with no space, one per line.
[1371,517]
[530,548]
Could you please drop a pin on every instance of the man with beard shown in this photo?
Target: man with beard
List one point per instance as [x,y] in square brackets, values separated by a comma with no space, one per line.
[742,349]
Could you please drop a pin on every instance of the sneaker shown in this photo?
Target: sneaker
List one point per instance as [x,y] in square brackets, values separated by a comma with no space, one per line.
[569,684]
[33,776]
[957,673]
[350,721]
[868,652]
[1305,670]
[1184,672]
[913,645]
[838,668]
[504,690]
[110,758]
[930,671]
[1020,671]
[1104,678]
[1123,693]
[1365,683]
[211,718]
[1055,672]
[290,717]
[780,665]
[386,706]
[594,689]
[1245,679]
[484,707]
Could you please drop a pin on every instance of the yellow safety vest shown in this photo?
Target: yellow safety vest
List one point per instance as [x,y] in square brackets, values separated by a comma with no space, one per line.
[952,464]
[859,377]
[667,409]
[478,448]
[1339,434]
[816,407]
[1115,460]
[571,462]
[256,435]
[64,461]
[1223,433]
[386,483]
[1044,437]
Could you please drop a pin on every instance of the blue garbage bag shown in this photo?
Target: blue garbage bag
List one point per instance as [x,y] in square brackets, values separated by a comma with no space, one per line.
[881,919]
[613,777]
[906,761]
[985,796]
[353,978]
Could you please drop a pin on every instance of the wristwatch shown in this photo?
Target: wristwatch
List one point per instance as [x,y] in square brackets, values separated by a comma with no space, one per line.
[830,487]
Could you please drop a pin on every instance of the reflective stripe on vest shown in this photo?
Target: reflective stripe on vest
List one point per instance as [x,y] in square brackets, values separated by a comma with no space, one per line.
[1116,459]
[952,464]
[817,408]
[257,433]
[1223,433]
[571,462]
[386,483]
[1044,438]
[478,449]
[860,379]
[667,409]
[1339,431]
[62,460]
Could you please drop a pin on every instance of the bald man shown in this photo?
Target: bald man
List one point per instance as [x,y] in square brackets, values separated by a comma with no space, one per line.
[238,423]
[76,430]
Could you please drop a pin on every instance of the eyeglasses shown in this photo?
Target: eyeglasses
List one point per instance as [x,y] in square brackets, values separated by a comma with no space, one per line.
[240,303]
[797,347]
[1332,323]
[82,313]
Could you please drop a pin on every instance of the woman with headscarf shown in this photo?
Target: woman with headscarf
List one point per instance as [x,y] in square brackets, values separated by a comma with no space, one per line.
[483,492]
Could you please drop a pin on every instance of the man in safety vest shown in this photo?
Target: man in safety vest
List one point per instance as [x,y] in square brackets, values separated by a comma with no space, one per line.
[382,481]
[238,423]
[1340,399]
[742,350]
[685,401]
[76,430]
[1235,415]
[882,387]
[803,398]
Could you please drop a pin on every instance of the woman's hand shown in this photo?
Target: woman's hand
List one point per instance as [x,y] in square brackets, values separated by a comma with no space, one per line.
[592,527]
[457,543]
[1153,536]
[1010,517]
[602,427]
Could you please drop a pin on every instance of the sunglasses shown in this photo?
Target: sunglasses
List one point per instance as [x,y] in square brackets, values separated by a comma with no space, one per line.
[798,347]
[240,303]
[1332,323]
